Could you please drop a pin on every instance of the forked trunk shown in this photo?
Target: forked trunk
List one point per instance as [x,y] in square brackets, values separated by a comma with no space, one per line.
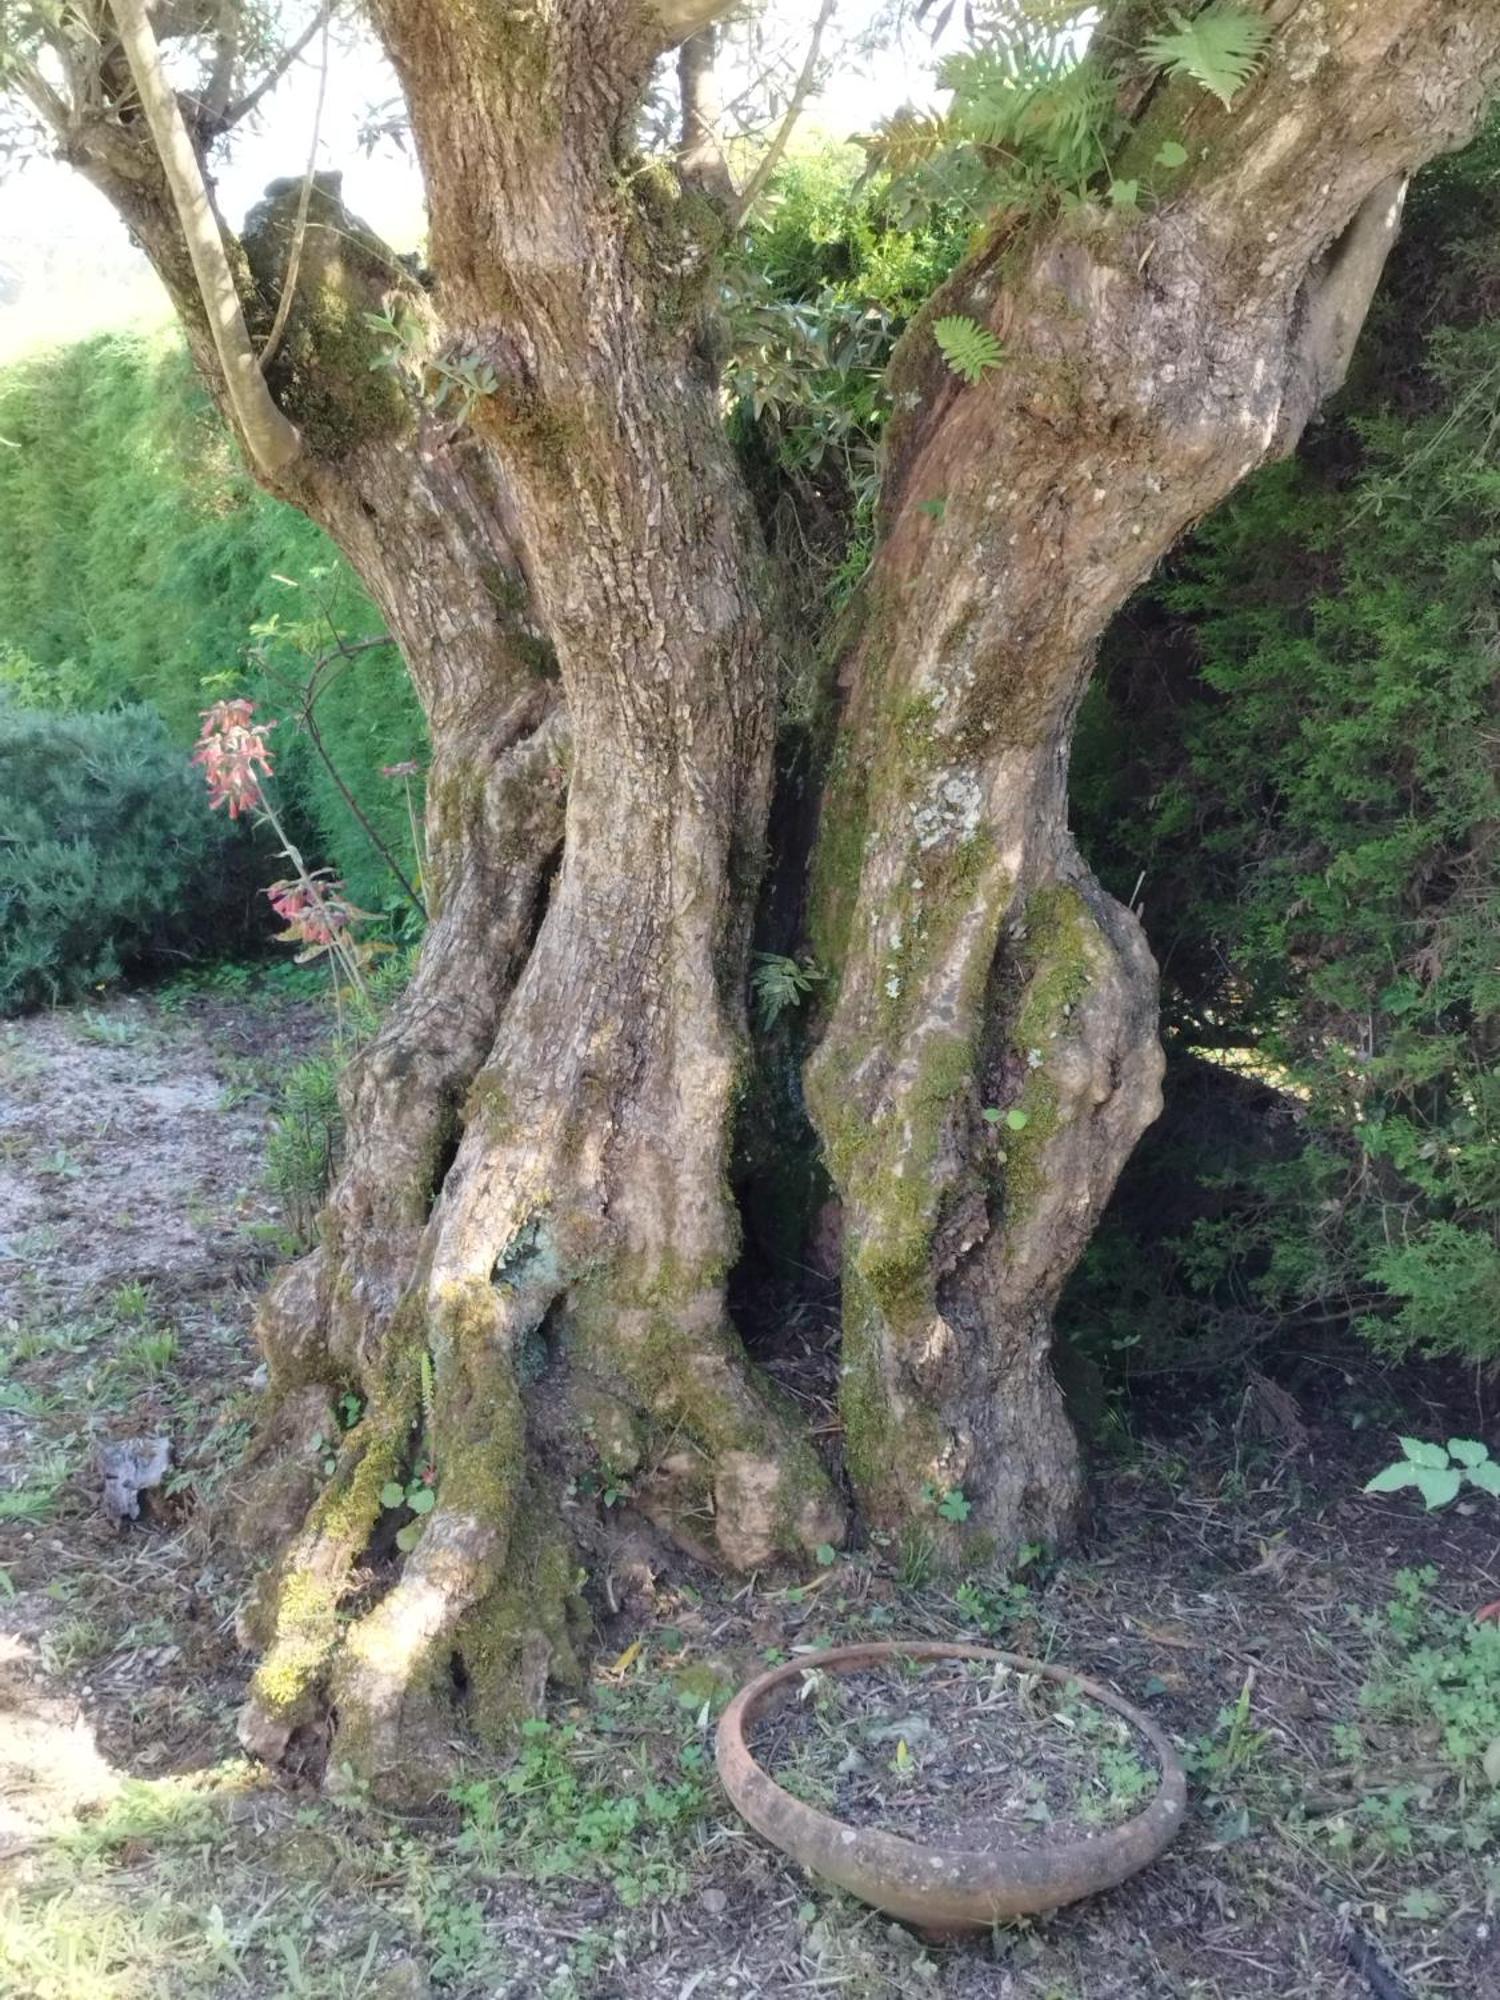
[522,1269]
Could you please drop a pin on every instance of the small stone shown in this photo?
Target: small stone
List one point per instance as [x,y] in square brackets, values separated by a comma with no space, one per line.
[403,1980]
[713,1902]
[130,1467]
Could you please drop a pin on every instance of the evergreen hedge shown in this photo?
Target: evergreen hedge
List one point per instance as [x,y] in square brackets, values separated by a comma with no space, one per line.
[139,563]
[108,858]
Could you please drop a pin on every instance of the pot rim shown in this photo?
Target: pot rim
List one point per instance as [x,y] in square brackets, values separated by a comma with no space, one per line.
[950,1889]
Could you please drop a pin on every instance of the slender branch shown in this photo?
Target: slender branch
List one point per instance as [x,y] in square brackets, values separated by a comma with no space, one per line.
[315,737]
[345,650]
[771,158]
[42,98]
[271,438]
[243,106]
[308,692]
[299,228]
[226,48]
[699,154]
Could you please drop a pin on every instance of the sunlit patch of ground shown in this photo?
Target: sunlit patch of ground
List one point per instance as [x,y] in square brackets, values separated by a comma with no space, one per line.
[1334,1718]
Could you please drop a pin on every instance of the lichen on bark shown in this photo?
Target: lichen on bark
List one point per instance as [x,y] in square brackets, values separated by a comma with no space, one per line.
[524,1262]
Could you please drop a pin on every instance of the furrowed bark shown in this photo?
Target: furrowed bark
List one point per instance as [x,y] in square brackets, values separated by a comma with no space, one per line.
[990,1058]
[523,1264]
[570,1287]
[420,509]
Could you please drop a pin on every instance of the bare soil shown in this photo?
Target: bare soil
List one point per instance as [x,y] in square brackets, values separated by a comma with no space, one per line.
[957,1753]
[1343,1840]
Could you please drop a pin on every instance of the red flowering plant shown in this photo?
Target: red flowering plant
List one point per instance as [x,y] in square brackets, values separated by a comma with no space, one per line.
[234,754]
[235,760]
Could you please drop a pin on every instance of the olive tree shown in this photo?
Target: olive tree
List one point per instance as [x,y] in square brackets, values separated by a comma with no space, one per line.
[522,1265]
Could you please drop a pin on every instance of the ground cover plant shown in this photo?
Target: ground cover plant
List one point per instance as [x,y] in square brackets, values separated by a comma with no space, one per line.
[1311,1650]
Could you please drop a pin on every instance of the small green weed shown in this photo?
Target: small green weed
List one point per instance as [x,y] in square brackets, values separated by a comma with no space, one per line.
[149,1354]
[303,1145]
[575,1807]
[130,1304]
[36,1496]
[167,1812]
[1439,1472]
[110,1031]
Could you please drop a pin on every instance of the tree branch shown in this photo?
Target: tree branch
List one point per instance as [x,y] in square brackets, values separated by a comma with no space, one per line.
[272,440]
[1338,292]
[226,48]
[680,20]
[243,106]
[299,227]
[771,158]
[699,154]
[42,98]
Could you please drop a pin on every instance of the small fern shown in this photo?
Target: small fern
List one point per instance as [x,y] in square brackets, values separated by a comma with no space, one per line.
[1220,50]
[969,349]
[781,984]
[429,1408]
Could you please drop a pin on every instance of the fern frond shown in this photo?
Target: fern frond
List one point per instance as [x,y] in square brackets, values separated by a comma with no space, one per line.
[1220,49]
[906,141]
[429,1411]
[969,349]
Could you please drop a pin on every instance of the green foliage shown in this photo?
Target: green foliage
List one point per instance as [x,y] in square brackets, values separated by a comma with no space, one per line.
[305,1138]
[1422,1754]
[1220,49]
[1437,1669]
[781,984]
[578,1806]
[108,858]
[815,299]
[969,349]
[1289,764]
[1028,118]
[136,561]
[1438,1472]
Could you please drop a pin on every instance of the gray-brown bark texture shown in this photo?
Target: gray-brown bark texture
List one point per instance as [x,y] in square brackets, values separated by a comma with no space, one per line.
[522,1267]
[1150,362]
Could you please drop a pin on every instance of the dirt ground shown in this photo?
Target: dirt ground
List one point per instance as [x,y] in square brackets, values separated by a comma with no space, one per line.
[1312,1652]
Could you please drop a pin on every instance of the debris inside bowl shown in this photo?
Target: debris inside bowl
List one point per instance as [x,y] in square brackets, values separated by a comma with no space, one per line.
[956,1753]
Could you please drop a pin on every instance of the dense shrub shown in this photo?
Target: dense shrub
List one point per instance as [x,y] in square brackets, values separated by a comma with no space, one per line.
[1290,758]
[107,856]
[138,562]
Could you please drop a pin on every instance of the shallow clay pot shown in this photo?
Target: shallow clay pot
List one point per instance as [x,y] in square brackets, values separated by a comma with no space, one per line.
[945,1891]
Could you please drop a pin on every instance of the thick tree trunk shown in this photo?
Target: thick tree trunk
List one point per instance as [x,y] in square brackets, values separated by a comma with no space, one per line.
[422,512]
[523,1265]
[569,1294]
[990,1058]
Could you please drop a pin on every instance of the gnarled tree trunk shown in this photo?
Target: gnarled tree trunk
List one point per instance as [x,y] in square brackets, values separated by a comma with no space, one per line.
[570,1287]
[523,1264]
[991,1057]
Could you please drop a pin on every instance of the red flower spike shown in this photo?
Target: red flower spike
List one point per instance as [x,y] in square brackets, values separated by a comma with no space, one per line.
[231,750]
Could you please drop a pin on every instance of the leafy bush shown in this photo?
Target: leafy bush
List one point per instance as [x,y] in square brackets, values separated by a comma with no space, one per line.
[139,563]
[107,856]
[826,280]
[1289,762]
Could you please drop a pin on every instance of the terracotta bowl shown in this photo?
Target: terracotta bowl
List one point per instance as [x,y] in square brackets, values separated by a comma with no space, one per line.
[945,1891]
